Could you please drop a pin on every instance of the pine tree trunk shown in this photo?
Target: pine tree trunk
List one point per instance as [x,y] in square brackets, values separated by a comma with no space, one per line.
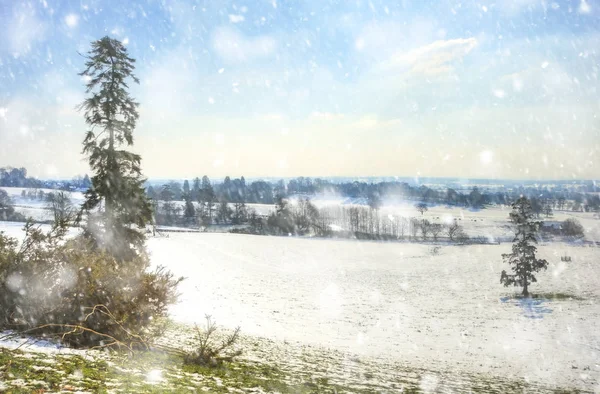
[111,144]
[111,170]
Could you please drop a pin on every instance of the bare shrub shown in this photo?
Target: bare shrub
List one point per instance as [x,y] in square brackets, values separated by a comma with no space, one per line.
[436,229]
[209,350]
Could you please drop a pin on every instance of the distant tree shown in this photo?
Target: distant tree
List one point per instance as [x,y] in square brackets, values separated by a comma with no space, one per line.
[168,208]
[240,214]
[281,205]
[536,206]
[452,196]
[572,228]
[522,259]
[176,190]
[547,208]
[189,212]
[7,211]
[305,215]
[282,221]
[223,212]
[186,187]
[59,203]
[86,183]
[151,193]
[436,229]
[414,226]
[476,198]
[116,205]
[195,193]
[592,203]
[421,208]
[425,226]
[452,230]
[256,223]
[374,200]
[560,202]
[207,199]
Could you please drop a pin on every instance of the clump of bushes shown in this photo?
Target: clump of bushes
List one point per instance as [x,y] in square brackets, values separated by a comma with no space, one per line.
[572,228]
[66,288]
[7,211]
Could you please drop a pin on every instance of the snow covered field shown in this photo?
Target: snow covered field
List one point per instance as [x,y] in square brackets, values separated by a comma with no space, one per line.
[37,209]
[397,301]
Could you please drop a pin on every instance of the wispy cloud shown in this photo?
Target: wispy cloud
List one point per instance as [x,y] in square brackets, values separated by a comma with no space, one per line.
[432,59]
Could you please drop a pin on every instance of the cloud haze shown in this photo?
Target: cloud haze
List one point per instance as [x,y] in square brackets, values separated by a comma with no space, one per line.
[495,89]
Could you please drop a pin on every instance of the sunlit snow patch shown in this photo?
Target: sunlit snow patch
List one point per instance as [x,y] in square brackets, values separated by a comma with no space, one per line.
[154,376]
[330,301]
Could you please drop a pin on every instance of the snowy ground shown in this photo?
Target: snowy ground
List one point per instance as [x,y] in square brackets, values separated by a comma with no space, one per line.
[397,302]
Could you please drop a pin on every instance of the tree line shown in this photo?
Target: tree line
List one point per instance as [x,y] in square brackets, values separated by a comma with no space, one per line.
[264,192]
[205,203]
[17,177]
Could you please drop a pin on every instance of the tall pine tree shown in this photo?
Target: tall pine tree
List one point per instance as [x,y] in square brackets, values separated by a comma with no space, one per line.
[522,259]
[116,205]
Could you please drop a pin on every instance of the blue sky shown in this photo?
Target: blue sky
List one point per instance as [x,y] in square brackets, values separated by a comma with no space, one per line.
[499,89]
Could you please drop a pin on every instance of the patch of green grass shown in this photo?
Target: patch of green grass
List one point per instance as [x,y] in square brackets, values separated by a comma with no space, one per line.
[128,374]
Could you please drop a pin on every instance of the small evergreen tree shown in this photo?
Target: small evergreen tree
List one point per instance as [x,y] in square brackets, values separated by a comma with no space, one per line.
[116,197]
[522,259]
[189,213]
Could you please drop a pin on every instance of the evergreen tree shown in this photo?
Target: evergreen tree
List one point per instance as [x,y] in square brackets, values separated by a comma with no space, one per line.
[186,187]
[189,213]
[116,204]
[86,182]
[196,189]
[240,214]
[548,208]
[522,259]
[224,212]
[207,198]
